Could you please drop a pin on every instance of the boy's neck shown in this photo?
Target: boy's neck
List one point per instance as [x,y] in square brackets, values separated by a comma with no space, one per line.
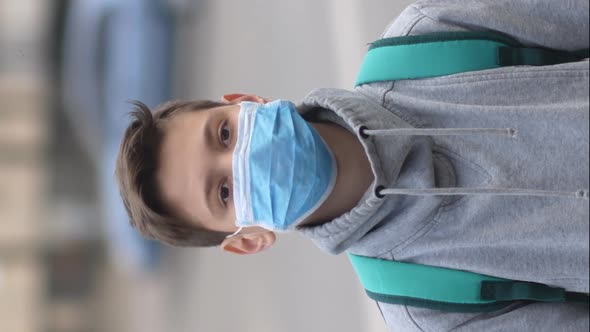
[354,174]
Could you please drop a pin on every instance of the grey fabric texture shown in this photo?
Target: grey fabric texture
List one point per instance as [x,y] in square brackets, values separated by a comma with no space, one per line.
[531,238]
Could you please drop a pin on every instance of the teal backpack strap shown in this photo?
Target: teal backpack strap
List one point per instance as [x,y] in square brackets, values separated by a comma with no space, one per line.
[448,289]
[446,53]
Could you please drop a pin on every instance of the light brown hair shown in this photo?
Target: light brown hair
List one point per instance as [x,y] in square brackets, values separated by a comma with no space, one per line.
[137,163]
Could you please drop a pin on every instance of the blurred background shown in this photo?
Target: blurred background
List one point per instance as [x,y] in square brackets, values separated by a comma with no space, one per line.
[69,262]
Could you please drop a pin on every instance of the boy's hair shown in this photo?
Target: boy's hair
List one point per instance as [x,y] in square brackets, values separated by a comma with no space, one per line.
[137,163]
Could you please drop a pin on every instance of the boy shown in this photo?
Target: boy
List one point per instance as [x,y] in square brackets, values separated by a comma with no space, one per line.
[512,197]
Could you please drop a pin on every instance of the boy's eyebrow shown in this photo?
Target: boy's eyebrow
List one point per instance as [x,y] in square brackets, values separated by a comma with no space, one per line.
[208,185]
[208,179]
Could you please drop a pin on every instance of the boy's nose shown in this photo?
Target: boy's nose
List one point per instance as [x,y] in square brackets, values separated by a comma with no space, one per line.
[225,161]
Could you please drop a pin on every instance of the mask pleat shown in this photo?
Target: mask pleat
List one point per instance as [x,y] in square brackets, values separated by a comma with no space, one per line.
[260,167]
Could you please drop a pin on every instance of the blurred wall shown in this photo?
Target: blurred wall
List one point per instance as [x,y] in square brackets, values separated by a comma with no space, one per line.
[23,134]
[53,277]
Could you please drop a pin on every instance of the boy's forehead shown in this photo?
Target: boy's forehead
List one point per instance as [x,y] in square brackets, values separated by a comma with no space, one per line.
[181,143]
[179,126]
[187,122]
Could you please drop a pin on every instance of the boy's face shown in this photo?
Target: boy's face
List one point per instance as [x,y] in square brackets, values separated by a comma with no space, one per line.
[195,173]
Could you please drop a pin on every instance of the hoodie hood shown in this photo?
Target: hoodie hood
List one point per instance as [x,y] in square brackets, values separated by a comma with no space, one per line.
[414,177]
[398,161]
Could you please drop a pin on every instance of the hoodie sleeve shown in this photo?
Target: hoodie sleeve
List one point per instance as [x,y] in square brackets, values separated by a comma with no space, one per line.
[561,25]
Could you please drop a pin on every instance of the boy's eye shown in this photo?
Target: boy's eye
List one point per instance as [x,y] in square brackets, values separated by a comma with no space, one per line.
[224,192]
[224,134]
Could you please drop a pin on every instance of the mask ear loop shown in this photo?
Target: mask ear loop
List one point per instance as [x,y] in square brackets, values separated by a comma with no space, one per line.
[235,233]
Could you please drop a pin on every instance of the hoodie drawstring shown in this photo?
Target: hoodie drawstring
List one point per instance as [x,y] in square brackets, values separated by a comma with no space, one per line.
[381,191]
[438,132]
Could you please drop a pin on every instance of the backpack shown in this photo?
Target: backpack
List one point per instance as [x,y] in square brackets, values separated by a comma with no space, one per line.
[447,53]
[449,289]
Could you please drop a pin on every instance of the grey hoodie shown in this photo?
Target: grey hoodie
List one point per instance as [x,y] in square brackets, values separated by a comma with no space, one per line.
[541,146]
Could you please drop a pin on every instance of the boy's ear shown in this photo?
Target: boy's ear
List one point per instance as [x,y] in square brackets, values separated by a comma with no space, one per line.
[244,244]
[235,98]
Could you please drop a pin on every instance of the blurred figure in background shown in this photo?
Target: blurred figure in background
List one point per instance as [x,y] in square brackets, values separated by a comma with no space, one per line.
[65,67]
[103,65]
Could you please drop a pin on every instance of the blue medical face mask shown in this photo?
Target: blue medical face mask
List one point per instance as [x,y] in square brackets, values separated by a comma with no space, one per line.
[282,169]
